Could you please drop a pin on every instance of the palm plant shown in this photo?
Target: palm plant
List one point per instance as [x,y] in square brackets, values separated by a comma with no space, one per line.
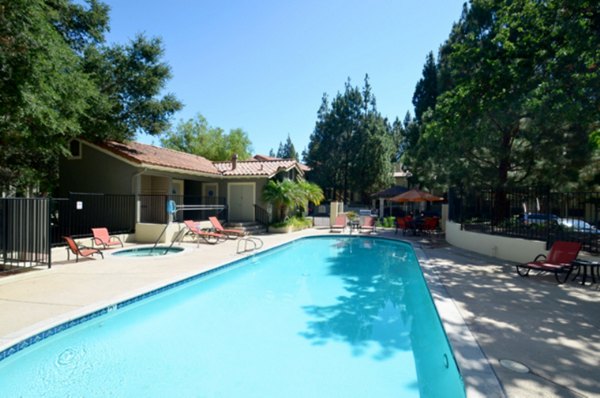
[287,194]
[280,195]
[311,193]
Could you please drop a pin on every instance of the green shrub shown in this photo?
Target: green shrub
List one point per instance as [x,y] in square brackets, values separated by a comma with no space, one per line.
[351,215]
[296,223]
[389,222]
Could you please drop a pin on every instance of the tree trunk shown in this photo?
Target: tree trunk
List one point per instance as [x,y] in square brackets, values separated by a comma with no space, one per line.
[345,191]
[501,205]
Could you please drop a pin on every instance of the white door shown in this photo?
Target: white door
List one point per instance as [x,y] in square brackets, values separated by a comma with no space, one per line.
[240,199]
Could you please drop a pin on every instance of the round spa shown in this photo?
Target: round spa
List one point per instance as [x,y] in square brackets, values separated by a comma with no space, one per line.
[148,251]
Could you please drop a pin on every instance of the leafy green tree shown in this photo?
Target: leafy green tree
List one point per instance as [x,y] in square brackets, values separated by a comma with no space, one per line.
[43,88]
[352,146]
[518,99]
[131,78]
[59,81]
[197,137]
[589,176]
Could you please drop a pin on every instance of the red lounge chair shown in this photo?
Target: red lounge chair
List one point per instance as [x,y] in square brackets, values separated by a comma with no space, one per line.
[368,224]
[102,238]
[559,261]
[339,224]
[80,250]
[230,233]
[208,237]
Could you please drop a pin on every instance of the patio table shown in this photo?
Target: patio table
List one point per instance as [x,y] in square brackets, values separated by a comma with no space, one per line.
[585,267]
[354,225]
[415,226]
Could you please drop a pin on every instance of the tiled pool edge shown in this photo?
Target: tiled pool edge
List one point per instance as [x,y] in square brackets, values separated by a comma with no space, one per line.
[479,377]
[28,341]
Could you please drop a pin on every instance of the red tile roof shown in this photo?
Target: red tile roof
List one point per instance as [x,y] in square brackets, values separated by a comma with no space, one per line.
[265,157]
[267,168]
[157,156]
[302,166]
[150,155]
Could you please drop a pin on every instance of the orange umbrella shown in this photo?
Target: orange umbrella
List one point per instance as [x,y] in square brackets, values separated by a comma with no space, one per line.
[415,195]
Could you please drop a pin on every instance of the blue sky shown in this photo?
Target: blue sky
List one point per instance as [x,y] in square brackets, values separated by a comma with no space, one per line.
[263,66]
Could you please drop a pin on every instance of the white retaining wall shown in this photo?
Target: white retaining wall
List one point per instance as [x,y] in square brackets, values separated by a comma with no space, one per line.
[511,249]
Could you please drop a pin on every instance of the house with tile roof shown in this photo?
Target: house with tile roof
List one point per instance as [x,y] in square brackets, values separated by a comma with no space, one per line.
[156,175]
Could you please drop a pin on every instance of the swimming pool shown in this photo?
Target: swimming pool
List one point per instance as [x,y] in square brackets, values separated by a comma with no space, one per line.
[335,316]
[148,251]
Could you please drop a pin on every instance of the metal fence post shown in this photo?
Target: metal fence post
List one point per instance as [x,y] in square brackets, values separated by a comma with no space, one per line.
[548,209]
[48,229]
[4,226]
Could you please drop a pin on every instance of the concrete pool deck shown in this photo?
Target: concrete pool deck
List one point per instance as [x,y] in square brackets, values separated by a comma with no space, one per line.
[552,329]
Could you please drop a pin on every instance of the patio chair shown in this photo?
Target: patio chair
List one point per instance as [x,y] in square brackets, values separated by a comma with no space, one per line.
[402,225]
[559,261]
[339,224]
[209,237]
[102,238]
[368,224]
[430,225]
[80,250]
[230,233]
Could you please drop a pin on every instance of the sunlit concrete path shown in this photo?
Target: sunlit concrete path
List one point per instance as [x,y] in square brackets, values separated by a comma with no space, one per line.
[554,330]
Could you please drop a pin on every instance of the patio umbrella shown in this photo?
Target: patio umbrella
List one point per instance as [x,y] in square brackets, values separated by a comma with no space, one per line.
[415,195]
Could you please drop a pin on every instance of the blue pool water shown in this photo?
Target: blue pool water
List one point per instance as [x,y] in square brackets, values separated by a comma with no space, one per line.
[148,251]
[321,317]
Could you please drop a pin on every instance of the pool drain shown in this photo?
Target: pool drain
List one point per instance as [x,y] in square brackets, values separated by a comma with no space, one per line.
[514,366]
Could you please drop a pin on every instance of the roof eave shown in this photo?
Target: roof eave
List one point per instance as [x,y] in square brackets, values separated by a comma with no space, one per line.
[280,169]
[150,166]
[155,167]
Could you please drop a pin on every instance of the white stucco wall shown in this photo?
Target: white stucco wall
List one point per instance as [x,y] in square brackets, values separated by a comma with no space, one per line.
[148,233]
[511,249]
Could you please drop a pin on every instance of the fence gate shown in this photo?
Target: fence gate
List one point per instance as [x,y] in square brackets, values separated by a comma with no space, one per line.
[24,233]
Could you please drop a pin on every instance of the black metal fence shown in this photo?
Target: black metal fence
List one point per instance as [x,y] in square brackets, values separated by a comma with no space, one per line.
[24,233]
[262,216]
[29,227]
[76,215]
[531,214]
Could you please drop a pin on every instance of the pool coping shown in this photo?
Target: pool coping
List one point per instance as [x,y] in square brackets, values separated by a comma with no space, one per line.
[478,376]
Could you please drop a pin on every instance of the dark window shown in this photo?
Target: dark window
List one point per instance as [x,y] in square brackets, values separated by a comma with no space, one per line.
[75,149]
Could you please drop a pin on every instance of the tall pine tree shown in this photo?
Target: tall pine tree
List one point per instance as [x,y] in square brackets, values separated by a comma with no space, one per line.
[287,150]
[352,147]
[426,91]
